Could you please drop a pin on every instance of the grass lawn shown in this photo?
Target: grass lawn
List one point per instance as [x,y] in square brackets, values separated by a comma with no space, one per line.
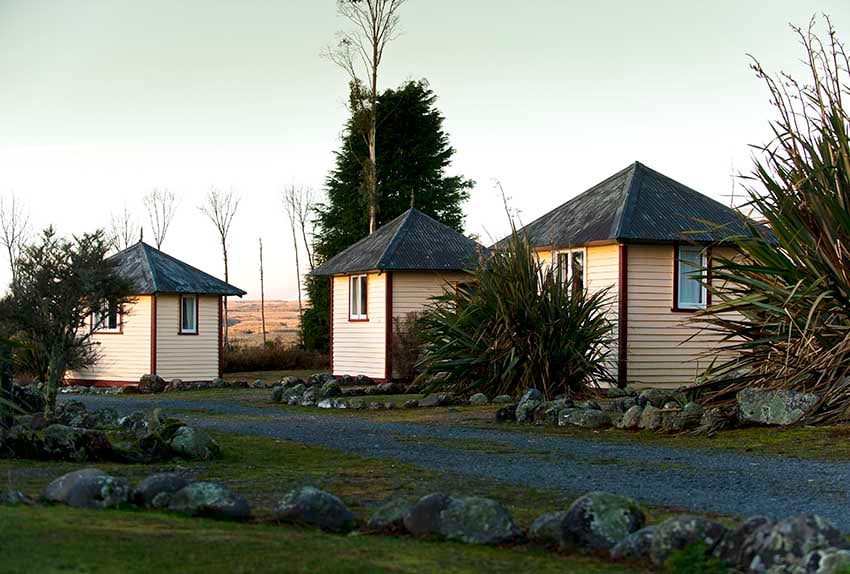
[61,539]
[47,540]
[274,376]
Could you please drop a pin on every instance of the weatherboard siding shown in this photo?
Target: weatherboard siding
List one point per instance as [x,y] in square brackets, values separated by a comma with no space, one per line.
[187,357]
[125,356]
[359,347]
[602,271]
[665,348]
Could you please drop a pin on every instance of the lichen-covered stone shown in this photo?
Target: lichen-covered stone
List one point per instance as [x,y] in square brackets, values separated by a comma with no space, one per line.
[310,397]
[389,518]
[681,531]
[600,520]
[547,412]
[424,516]
[650,418]
[631,418]
[194,444]
[634,547]
[210,500]
[57,491]
[655,397]
[502,400]
[101,418]
[529,401]
[72,414]
[98,491]
[14,498]
[478,399]
[477,520]
[775,407]
[149,492]
[786,542]
[729,549]
[826,561]
[546,528]
[619,405]
[61,442]
[308,505]
[434,400]
[411,404]
[150,384]
[584,418]
[331,389]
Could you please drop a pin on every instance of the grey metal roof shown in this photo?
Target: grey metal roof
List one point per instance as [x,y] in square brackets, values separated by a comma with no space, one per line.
[412,241]
[636,204]
[151,271]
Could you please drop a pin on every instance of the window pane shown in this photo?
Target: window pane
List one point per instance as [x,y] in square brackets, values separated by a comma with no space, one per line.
[577,271]
[112,319]
[563,267]
[189,319]
[353,285]
[364,291]
[690,270]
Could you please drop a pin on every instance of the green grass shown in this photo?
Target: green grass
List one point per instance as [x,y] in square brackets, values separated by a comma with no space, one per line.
[275,376]
[48,540]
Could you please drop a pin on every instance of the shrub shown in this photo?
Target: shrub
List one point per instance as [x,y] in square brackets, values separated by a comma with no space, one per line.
[516,325]
[273,356]
[694,559]
[406,345]
[785,303]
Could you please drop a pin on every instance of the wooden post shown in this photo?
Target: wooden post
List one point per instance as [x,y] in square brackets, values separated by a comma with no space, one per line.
[262,294]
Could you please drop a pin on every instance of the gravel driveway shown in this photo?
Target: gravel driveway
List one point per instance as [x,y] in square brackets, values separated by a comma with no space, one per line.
[699,480]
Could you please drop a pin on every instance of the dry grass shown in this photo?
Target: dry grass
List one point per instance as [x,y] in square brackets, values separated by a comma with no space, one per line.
[245,325]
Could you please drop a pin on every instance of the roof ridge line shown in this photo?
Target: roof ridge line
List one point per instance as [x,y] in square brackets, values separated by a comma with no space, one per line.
[627,203]
[150,267]
[393,243]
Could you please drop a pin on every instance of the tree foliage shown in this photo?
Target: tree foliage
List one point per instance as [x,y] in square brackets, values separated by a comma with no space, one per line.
[785,302]
[60,282]
[516,325]
[414,154]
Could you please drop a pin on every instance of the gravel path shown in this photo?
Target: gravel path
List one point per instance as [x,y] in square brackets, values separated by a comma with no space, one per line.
[706,481]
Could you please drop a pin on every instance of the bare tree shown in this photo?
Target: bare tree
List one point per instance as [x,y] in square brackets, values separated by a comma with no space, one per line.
[359,52]
[220,208]
[14,226]
[161,206]
[298,202]
[262,293]
[124,230]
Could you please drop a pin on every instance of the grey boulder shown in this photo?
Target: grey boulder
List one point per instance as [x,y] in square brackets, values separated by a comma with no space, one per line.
[634,547]
[786,542]
[101,491]
[826,561]
[600,520]
[308,505]
[477,520]
[156,490]
[729,549]
[650,418]
[424,516]
[681,531]
[59,489]
[546,528]
[194,444]
[502,400]
[478,399]
[631,418]
[775,407]
[389,518]
[211,500]
[584,418]
[529,401]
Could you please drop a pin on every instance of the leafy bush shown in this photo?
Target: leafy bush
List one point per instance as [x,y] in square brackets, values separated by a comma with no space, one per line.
[406,345]
[694,559]
[785,305]
[516,325]
[273,356]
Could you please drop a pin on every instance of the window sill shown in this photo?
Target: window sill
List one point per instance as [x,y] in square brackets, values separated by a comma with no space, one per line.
[188,334]
[686,309]
[107,332]
[352,320]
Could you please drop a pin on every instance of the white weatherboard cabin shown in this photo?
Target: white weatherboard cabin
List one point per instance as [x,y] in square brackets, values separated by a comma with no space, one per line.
[173,327]
[643,236]
[392,272]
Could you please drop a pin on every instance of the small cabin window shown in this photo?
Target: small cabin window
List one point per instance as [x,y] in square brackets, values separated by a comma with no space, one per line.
[188,314]
[571,267]
[358,291]
[107,319]
[690,264]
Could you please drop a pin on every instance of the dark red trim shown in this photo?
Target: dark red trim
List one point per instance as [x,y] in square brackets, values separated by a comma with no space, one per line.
[623,318]
[388,349]
[100,383]
[675,306]
[197,316]
[153,334]
[331,344]
[220,337]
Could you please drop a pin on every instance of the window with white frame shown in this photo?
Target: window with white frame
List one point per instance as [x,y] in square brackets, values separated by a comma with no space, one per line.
[571,267]
[358,289]
[107,319]
[188,314]
[691,292]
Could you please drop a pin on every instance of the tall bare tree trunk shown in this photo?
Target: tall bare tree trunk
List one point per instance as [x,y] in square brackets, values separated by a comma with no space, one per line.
[226,280]
[262,294]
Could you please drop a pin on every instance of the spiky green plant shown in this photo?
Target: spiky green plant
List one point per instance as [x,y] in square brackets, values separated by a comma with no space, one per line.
[785,301]
[516,325]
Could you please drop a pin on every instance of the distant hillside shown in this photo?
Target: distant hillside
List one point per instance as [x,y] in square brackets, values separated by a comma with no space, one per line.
[245,326]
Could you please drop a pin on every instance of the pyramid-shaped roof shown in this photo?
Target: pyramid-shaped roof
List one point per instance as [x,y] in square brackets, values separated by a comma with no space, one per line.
[412,241]
[151,271]
[636,204]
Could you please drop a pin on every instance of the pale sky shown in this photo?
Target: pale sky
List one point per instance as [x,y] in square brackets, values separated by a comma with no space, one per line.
[103,100]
